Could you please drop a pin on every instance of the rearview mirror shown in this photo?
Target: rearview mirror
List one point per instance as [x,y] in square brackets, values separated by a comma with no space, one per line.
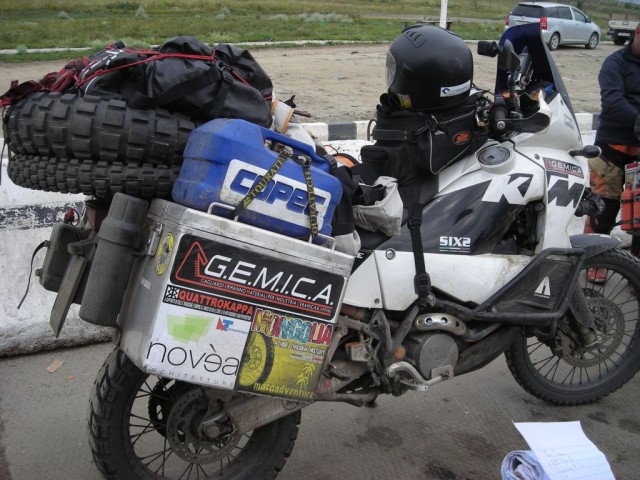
[488,49]
[508,59]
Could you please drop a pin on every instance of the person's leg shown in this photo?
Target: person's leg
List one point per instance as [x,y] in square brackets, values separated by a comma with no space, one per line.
[606,180]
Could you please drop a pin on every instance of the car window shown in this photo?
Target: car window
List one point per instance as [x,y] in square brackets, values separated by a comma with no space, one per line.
[564,13]
[552,12]
[579,16]
[528,11]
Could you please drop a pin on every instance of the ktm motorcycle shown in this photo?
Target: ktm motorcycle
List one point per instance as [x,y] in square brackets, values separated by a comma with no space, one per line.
[226,331]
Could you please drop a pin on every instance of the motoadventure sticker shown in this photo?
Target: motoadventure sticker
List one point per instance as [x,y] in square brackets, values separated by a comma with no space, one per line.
[284,355]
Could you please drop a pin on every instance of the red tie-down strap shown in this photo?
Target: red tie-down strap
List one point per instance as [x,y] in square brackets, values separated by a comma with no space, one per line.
[59,81]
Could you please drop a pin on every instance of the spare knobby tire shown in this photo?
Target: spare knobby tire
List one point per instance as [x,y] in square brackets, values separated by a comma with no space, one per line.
[64,125]
[92,177]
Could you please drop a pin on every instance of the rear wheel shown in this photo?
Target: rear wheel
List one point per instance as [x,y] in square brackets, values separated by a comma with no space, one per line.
[619,41]
[593,41]
[561,372]
[554,41]
[146,427]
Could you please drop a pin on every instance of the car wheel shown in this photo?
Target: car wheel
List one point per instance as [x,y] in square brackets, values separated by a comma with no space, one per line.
[554,41]
[619,41]
[593,41]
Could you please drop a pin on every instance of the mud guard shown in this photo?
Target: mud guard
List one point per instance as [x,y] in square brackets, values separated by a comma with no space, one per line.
[594,243]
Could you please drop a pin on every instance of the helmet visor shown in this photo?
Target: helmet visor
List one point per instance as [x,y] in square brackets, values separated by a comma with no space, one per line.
[390,67]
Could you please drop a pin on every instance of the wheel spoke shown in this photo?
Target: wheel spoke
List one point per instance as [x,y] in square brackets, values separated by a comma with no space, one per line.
[200,469]
[552,369]
[154,456]
[537,345]
[187,471]
[569,374]
[544,361]
[136,436]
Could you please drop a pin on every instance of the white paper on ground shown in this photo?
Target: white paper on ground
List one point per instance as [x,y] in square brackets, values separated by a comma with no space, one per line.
[565,452]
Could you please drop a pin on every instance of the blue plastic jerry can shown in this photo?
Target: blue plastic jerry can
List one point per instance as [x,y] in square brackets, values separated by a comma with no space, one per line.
[225,158]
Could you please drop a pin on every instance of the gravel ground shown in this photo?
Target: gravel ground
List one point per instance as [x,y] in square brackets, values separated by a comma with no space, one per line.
[343,83]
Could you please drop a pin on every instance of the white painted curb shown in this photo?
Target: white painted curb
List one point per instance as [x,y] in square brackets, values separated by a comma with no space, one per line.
[26,217]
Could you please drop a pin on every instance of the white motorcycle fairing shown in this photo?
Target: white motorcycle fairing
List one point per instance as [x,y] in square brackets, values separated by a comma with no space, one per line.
[464,225]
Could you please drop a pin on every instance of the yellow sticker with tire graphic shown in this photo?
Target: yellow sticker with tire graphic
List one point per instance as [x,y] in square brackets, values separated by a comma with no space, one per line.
[163,254]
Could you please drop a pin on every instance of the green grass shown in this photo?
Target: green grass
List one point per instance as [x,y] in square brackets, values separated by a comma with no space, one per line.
[87,23]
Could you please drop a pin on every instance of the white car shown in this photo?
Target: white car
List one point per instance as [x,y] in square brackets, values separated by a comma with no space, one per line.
[560,24]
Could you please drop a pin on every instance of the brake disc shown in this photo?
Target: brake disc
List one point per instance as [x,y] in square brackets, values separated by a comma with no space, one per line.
[161,400]
[186,437]
[609,322]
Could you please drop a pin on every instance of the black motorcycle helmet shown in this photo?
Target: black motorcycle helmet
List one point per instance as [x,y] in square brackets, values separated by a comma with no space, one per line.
[429,68]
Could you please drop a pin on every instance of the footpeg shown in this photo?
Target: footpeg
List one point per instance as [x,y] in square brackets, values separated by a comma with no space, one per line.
[417,382]
[335,372]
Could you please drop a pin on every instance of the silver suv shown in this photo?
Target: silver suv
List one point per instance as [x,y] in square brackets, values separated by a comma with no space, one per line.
[560,24]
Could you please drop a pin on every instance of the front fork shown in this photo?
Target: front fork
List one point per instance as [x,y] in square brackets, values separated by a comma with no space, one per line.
[579,331]
[581,319]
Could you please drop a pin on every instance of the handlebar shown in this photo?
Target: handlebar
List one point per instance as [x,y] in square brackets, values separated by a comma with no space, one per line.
[499,115]
[506,114]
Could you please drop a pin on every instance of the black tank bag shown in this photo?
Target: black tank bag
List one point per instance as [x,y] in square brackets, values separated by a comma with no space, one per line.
[413,143]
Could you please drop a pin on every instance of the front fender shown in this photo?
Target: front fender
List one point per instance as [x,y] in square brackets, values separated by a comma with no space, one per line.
[594,243]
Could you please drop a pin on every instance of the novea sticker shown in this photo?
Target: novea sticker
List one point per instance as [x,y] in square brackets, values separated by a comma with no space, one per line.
[196,347]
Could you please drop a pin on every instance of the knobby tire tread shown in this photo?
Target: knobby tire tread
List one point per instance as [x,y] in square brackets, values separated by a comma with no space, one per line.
[111,377]
[66,125]
[92,177]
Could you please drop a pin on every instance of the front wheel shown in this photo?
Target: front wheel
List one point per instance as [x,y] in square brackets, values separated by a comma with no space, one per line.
[563,373]
[146,427]
[619,41]
[593,41]
[554,41]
